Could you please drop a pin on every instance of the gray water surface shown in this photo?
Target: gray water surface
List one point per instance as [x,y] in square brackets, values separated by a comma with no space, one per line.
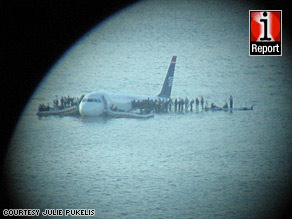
[191,165]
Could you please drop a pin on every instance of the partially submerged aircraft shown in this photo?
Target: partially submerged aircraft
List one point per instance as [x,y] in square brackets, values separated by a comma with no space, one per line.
[97,103]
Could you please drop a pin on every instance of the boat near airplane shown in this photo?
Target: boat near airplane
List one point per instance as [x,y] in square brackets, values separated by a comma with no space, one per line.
[65,111]
[69,109]
[99,103]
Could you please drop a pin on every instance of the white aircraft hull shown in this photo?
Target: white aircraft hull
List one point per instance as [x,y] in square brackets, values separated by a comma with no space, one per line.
[101,102]
[97,103]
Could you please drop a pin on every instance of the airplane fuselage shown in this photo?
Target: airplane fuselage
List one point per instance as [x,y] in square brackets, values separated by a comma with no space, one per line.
[97,103]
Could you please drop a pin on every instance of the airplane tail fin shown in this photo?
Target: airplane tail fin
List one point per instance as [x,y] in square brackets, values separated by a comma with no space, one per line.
[167,85]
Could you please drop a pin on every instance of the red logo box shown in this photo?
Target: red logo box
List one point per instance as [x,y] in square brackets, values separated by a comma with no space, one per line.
[265,32]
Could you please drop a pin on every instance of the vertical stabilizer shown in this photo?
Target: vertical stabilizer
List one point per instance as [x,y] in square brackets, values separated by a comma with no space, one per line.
[167,85]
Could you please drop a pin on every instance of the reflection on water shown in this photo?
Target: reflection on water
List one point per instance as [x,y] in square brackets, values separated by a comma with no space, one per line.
[100,119]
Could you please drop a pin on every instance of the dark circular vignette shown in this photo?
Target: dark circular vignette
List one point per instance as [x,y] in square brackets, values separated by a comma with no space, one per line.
[37,33]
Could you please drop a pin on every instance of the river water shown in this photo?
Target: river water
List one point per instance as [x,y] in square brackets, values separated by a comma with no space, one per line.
[191,165]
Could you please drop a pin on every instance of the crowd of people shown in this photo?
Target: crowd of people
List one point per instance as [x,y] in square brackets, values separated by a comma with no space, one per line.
[43,107]
[176,105]
[61,103]
[148,105]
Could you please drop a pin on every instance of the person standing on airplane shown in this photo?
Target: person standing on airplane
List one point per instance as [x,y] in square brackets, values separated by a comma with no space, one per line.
[197,103]
[231,101]
[182,104]
[179,104]
[186,103]
[175,104]
[202,102]
[191,104]
[169,104]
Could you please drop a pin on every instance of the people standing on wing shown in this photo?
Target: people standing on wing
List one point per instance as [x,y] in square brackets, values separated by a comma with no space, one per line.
[148,106]
[197,103]
[75,101]
[191,104]
[202,102]
[165,106]
[155,106]
[206,106]
[136,104]
[41,107]
[182,104]
[67,101]
[56,103]
[158,106]
[175,104]
[179,104]
[169,104]
[186,103]
[144,104]
[151,106]
[231,101]
[62,102]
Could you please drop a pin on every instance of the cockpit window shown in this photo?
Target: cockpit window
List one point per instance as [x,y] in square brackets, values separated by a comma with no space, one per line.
[91,100]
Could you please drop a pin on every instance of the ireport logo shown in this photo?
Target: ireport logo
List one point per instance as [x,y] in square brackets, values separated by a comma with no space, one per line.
[265,32]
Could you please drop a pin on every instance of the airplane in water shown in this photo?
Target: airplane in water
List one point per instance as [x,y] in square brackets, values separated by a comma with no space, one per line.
[97,103]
